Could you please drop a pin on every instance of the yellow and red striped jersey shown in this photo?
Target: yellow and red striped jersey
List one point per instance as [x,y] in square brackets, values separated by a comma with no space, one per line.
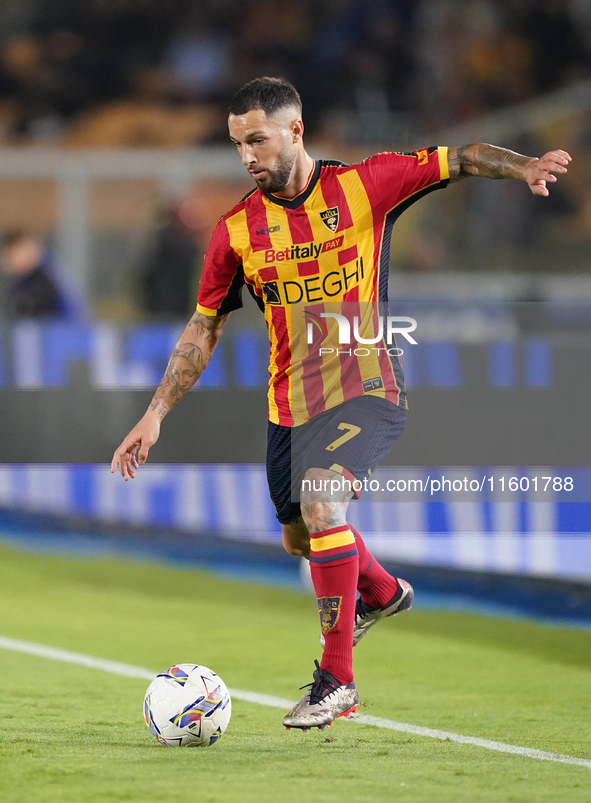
[330,244]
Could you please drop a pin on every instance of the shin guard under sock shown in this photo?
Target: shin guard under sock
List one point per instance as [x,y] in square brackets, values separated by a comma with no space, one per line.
[334,565]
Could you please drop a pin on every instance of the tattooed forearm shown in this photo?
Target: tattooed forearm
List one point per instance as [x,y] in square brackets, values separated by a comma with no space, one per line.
[203,327]
[160,408]
[188,361]
[487,161]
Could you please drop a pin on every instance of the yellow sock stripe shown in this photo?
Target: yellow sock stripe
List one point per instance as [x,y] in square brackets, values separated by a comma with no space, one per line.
[341,538]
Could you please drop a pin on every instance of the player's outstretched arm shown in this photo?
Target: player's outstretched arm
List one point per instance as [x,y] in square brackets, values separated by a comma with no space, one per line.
[489,161]
[187,362]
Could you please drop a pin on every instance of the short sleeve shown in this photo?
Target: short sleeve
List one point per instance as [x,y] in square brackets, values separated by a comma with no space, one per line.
[394,178]
[222,278]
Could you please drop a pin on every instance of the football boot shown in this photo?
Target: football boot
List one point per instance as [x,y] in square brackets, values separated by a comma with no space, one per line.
[366,617]
[324,701]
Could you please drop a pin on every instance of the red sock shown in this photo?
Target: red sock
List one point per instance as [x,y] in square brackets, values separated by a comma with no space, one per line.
[375,585]
[334,565]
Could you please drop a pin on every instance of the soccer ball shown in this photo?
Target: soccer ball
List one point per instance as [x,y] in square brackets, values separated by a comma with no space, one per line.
[189,705]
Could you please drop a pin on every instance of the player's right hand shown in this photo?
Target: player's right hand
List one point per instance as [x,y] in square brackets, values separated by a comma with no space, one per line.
[540,172]
[134,449]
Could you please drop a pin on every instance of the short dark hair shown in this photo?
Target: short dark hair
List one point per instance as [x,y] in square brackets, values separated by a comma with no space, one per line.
[268,94]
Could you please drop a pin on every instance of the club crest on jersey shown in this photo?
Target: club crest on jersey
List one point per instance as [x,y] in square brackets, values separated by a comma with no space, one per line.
[330,218]
[329,609]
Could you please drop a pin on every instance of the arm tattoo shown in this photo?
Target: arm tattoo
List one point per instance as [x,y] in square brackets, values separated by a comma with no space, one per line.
[188,360]
[487,161]
[321,508]
[160,408]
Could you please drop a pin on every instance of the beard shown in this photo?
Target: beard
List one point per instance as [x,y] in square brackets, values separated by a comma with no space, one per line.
[278,177]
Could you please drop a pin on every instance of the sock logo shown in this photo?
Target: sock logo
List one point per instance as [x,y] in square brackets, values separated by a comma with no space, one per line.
[329,609]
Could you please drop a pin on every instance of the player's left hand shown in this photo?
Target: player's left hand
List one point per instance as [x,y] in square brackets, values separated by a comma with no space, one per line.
[541,171]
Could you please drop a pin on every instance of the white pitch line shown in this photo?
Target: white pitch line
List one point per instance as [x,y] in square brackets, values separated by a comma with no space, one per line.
[130,671]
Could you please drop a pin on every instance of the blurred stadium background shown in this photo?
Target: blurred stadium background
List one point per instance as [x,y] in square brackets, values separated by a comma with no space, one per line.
[114,167]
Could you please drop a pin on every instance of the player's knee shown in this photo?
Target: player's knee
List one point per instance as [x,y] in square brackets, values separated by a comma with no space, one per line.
[323,515]
[296,540]
[325,486]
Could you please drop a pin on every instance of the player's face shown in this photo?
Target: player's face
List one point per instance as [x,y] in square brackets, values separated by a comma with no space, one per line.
[267,146]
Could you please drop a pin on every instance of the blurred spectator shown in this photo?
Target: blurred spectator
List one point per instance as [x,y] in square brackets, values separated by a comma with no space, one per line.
[198,59]
[168,267]
[36,285]
[556,42]
[373,75]
[436,62]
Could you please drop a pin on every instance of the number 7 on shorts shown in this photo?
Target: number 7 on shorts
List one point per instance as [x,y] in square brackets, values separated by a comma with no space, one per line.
[352,430]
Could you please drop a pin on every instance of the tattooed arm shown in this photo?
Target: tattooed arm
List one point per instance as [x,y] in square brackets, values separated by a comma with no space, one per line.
[187,362]
[489,161]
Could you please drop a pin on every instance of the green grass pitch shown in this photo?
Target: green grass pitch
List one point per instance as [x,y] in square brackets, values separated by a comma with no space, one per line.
[76,735]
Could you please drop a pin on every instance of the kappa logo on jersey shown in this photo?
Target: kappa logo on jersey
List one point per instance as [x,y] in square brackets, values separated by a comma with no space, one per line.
[423,156]
[269,230]
[329,609]
[330,218]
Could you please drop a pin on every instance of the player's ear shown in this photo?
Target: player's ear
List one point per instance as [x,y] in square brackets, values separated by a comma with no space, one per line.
[297,130]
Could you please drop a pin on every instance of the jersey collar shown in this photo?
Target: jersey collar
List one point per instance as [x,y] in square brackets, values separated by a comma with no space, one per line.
[293,203]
